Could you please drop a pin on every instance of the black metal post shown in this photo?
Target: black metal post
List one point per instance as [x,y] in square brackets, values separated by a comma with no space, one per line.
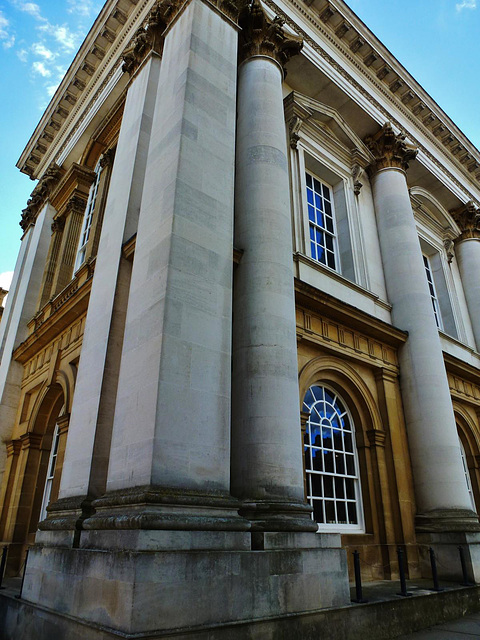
[358,579]
[401,571]
[433,563]
[2,564]
[466,582]
[23,575]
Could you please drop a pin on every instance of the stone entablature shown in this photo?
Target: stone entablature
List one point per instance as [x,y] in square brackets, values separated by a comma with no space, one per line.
[333,329]
[58,313]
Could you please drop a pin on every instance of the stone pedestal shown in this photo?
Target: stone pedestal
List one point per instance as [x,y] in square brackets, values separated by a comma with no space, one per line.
[203,586]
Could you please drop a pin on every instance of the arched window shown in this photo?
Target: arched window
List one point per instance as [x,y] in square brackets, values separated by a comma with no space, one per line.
[331,462]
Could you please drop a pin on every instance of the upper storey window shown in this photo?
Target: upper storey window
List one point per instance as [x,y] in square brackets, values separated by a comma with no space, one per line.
[88,218]
[433,292]
[321,221]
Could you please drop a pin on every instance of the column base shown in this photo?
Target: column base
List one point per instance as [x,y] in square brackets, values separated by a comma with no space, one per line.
[156,508]
[277,515]
[447,554]
[180,590]
[443,520]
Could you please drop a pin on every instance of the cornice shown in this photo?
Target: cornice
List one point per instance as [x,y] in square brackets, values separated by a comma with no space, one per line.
[83,81]
[354,44]
[308,296]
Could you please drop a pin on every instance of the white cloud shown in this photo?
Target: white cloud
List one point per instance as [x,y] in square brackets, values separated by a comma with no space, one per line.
[31,8]
[40,68]
[84,8]
[22,55]
[51,88]
[466,4]
[6,279]
[41,50]
[6,37]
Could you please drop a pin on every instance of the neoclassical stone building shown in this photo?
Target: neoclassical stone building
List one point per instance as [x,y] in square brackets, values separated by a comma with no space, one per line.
[243,333]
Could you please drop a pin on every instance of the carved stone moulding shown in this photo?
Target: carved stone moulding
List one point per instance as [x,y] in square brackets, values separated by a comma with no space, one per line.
[261,36]
[150,36]
[468,219]
[40,194]
[390,149]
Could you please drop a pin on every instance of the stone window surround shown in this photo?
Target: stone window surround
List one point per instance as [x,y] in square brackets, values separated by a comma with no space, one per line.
[343,528]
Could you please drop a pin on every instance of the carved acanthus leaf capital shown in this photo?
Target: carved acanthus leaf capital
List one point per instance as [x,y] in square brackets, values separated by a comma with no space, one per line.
[40,194]
[390,149]
[149,37]
[264,37]
[468,219]
[58,225]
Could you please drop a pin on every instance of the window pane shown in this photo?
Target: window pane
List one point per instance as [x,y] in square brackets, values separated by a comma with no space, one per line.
[334,485]
[320,216]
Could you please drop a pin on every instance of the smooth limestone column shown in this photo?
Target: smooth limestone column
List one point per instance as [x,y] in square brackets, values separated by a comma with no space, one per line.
[467,250]
[19,310]
[442,497]
[170,455]
[87,451]
[267,469]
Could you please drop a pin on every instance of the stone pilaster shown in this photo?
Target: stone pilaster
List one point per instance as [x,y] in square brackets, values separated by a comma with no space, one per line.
[52,258]
[467,250]
[20,308]
[169,459]
[442,498]
[74,214]
[87,449]
[267,470]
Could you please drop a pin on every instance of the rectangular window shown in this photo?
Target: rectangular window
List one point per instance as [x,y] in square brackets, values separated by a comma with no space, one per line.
[88,218]
[433,293]
[321,222]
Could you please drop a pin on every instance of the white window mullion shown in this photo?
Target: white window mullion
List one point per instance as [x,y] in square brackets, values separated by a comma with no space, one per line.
[433,292]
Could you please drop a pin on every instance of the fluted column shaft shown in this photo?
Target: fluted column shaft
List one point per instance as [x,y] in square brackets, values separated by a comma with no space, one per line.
[434,447]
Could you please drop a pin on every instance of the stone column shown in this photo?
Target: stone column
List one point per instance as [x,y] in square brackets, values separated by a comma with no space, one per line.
[443,502]
[87,448]
[267,470]
[73,220]
[170,457]
[20,309]
[467,250]
[53,252]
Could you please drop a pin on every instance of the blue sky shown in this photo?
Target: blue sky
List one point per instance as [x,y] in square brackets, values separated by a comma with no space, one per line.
[435,40]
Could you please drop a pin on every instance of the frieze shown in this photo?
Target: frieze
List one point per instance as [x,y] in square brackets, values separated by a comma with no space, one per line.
[464,389]
[314,328]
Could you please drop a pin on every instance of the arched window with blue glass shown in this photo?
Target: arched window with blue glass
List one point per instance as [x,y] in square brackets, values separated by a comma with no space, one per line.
[331,462]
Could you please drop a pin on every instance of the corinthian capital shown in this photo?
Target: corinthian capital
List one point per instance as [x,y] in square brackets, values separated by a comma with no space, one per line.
[390,149]
[149,37]
[468,219]
[40,194]
[264,37]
